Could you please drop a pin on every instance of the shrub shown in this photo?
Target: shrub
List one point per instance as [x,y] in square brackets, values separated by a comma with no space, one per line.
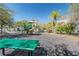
[67,28]
[59,29]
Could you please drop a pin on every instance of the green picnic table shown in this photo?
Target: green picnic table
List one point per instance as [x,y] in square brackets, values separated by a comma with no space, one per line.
[29,45]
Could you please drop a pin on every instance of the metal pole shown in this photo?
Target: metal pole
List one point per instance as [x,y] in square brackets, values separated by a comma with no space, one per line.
[29,53]
[3,51]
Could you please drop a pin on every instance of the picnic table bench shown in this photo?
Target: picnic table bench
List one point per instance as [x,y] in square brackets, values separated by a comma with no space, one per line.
[29,45]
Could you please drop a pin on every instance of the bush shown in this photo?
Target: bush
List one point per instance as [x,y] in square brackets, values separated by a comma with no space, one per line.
[59,29]
[67,28]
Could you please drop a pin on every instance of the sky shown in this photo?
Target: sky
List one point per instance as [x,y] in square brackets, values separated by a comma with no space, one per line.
[38,11]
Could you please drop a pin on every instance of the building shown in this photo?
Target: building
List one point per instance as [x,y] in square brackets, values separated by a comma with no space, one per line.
[35,27]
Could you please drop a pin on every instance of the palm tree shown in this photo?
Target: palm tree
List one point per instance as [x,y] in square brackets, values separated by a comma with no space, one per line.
[5,16]
[54,15]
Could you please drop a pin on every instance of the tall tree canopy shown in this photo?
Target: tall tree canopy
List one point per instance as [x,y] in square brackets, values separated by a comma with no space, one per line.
[5,16]
[54,15]
[74,12]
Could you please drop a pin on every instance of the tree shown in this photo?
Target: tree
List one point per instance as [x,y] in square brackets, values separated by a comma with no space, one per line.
[20,23]
[74,12]
[54,15]
[24,24]
[49,26]
[5,16]
[66,28]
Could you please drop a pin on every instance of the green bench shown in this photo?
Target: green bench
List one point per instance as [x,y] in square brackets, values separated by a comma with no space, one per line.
[29,45]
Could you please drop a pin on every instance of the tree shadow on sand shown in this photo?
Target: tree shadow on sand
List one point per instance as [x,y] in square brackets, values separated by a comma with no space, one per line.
[14,36]
[40,51]
[17,35]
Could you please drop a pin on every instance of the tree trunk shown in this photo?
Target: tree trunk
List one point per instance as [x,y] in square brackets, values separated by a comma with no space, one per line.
[54,25]
[1,28]
[27,32]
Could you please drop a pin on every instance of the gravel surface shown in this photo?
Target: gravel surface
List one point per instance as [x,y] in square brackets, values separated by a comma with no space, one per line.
[54,45]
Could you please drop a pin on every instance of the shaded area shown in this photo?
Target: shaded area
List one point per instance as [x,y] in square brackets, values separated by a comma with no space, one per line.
[14,35]
[17,35]
[62,50]
[18,53]
[40,51]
